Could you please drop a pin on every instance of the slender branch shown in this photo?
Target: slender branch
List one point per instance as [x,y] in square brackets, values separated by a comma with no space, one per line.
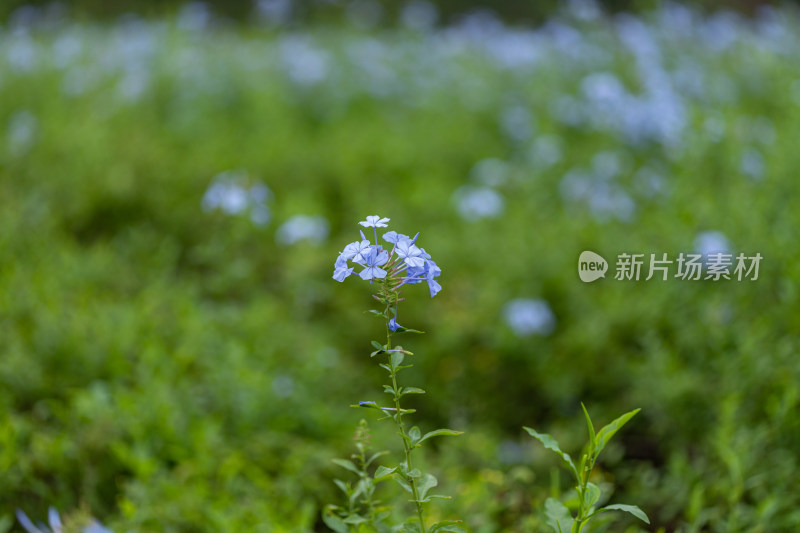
[361,460]
[398,416]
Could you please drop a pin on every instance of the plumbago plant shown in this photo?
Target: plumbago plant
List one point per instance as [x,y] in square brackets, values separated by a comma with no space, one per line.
[558,515]
[389,271]
[362,509]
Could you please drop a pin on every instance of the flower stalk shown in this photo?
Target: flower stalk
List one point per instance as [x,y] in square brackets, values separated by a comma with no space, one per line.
[392,295]
[404,264]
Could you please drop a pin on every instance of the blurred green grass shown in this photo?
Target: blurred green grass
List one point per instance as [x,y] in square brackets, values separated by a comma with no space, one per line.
[172,368]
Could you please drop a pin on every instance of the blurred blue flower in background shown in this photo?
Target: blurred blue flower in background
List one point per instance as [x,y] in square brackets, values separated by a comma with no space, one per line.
[710,242]
[22,130]
[753,163]
[305,64]
[233,192]
[475,203]
[528,317]
[55,525]
[303,228]
[419,15]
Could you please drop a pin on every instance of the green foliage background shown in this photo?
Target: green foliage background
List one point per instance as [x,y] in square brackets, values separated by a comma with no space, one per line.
[172,369]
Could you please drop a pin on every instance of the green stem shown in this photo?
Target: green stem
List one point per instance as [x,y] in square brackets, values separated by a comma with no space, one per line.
[398,419]
[583,482]
[362,457]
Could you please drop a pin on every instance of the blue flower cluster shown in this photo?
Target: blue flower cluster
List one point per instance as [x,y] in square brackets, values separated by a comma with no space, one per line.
[55,524]
[405,263]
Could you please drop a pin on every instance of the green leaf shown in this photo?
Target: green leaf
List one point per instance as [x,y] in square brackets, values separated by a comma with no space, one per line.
[5,523]
[426,484]
[389,389]
[414,474]
[590,495]
[380,515]
[364,486]
[590,426]
[375,456]
[359,490]
[557,514]
[410,527]
[378,346]
[439,433]
[447,526]
[355,519]
[632,509]
[430,497]
[382,473]
[551,444]
[414,434]
[334,522]
[376,313]
[605,434]
[403,483]
[368,405]
[342,486]
[397,359]
[344,463]
[401,329]
[411,390]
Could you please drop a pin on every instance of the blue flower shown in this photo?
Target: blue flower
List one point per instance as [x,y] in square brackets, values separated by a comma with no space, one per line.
[341,271]
[414,275]
[409,253]
[393,325]
[356,251]
[372,263]
[428,273]
[374,221]
[393,236]
[410,265]
[434,286]
[432,270]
